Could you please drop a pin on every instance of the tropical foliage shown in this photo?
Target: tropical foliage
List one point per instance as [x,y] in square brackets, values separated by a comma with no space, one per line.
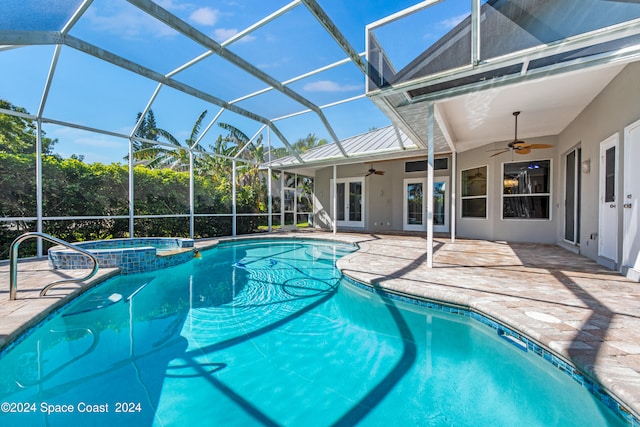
[301,145]
[72,187]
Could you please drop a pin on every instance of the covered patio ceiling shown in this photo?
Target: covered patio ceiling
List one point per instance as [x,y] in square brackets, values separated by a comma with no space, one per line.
[484,114]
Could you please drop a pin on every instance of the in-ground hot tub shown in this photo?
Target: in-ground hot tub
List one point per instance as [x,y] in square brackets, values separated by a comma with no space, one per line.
[134,255]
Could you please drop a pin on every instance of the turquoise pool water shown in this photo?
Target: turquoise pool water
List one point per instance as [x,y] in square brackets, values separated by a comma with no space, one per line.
[267,333]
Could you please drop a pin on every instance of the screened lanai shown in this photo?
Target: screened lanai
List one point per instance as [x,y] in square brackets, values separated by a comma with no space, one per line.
[155,118]
[167,118]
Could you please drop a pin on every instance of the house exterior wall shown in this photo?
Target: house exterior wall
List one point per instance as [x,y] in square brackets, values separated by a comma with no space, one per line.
[493,227]
[384,204]
[616,107]
[609,113]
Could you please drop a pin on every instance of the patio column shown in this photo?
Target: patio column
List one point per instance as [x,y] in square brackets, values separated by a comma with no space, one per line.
[452,191]
[282,200]
[233,198]
[430,186]
[131,201]
[295,201]
[39,185]
[334,213]
[191,197]
[269,201]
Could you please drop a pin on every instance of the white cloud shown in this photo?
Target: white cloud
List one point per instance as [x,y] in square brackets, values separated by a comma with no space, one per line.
[94,147]
[172,5]
[453,21]
[127,23]
[224,34]
[205,16]
[329,86]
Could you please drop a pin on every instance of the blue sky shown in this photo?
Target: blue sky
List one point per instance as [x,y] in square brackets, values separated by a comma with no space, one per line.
[93,93]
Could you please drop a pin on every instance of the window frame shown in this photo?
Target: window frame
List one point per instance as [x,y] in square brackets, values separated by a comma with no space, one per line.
[485,196]
[547,194]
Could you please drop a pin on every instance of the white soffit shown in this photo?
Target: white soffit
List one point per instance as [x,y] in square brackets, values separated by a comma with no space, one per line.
[548,106]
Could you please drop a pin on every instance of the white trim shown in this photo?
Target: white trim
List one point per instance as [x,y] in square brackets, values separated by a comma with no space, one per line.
[347,223]
[405,204]
[630,267]
[577,196]
[548,194]
[445,228]
[485,196]
[611,142]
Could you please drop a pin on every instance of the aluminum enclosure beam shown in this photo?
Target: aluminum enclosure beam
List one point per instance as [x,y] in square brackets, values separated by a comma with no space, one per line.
[49,38]
[164,16]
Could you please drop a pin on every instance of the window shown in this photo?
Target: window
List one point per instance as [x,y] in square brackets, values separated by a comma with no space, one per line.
[441,163]
[474,193]
[526,190]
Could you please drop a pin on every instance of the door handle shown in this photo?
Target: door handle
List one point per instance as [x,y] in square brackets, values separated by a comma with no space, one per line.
[627,205]
[612,205]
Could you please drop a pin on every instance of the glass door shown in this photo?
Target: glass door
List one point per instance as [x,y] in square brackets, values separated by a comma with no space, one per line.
[289,208]
[415,207]
[349,202]
[572,197]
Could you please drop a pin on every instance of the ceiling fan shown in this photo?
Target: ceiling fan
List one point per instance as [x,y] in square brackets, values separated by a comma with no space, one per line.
[517,146]
[372,171]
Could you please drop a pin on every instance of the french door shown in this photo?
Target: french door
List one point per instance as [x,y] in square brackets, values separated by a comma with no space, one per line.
[415,206]
[349,202]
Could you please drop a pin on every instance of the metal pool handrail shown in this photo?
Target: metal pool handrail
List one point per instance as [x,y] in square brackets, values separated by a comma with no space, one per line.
[13,261]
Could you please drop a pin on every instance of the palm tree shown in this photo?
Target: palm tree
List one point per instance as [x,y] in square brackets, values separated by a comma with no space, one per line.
[308,142]
[160,156]
[301,145]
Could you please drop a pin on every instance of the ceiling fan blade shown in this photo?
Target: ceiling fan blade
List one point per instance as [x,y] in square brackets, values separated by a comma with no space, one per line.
[369,173]
[523,151]
[503,151]
[536,146]
[379,172]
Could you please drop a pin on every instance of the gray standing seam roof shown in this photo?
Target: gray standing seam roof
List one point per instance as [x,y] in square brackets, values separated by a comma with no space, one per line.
[379,140]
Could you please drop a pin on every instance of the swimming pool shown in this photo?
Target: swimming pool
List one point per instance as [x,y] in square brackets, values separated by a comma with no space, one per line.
[266,332]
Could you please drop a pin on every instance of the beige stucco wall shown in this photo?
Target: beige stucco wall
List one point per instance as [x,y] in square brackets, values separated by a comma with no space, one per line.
[494,227]
[616,107]
[383,193]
